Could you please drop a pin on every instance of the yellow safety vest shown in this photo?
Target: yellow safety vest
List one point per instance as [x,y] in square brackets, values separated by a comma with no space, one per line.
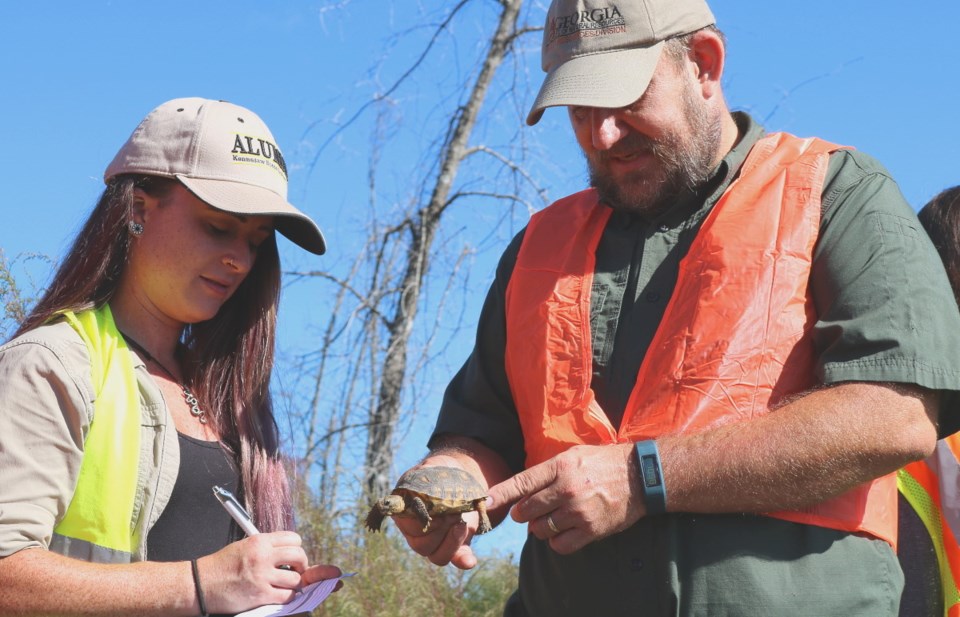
[100,524]
[932,487]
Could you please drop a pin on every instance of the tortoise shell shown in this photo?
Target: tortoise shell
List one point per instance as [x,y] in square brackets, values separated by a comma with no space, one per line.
[447,488]
[427,491]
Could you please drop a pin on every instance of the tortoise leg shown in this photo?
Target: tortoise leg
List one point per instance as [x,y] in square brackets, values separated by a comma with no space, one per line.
[484,525]
[420,509]
[375,517]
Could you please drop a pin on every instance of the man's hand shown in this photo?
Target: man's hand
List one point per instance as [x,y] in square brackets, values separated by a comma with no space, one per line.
[446,541]
[448,538]
[586,492]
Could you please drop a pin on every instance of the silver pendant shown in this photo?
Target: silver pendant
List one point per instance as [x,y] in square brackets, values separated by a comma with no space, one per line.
[194,406]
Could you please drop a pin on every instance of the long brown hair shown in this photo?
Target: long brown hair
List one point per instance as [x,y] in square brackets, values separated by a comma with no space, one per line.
[228,360]
[941,218]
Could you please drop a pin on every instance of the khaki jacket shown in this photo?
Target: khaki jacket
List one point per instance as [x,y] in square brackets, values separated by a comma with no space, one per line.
[46,407]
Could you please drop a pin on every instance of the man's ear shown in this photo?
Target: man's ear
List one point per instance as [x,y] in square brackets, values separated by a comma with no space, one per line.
[708,52]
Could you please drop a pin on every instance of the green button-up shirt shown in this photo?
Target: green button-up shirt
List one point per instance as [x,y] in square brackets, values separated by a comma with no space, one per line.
[885,314]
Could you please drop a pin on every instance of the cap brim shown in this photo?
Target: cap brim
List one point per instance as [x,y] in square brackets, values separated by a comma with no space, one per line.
[247,199]
[612,79]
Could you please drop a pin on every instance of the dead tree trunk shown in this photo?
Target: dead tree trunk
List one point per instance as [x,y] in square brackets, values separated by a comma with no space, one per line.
[422,230]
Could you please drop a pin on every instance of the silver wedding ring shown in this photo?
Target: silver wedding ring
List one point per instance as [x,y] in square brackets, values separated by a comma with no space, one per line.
[552,525]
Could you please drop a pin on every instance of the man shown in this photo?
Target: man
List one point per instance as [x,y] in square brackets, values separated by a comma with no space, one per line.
[695,379]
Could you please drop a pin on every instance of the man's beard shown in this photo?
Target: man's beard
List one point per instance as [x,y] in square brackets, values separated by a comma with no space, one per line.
[685,162]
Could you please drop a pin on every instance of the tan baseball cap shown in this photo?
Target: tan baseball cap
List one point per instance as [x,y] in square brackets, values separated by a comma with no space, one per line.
[225,155]
[602,53]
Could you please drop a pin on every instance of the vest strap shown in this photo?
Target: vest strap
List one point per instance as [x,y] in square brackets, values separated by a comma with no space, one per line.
[100,522]
[87,551]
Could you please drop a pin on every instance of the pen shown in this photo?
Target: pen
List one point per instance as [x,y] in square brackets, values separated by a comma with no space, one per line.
[239,514]
[235,510]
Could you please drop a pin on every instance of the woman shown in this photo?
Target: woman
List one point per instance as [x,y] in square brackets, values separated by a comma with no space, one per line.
[140,381]
[930,489]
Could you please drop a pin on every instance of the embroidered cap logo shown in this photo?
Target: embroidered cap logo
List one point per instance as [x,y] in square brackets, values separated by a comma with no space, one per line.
[258,151]
[583,24]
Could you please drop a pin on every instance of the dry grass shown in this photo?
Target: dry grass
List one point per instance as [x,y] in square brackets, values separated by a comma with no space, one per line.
[393,581]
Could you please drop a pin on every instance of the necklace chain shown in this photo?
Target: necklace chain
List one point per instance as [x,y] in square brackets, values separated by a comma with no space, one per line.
[188,396]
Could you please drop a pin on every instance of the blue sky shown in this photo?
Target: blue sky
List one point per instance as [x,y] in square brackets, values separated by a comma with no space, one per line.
[78,76]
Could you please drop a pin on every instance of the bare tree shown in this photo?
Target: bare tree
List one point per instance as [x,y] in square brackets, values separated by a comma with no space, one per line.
[367,352]
[19,288]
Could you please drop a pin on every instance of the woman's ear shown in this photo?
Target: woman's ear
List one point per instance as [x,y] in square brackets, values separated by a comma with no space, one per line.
[143,204]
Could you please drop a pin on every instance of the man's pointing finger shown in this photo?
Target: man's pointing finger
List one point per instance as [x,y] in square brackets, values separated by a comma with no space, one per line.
[523,484]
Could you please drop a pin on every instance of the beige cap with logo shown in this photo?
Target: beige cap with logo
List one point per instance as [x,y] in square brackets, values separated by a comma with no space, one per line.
[225,155]
[602,53]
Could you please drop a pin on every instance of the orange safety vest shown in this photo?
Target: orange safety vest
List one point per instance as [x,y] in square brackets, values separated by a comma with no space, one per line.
[932,487]
[735,338]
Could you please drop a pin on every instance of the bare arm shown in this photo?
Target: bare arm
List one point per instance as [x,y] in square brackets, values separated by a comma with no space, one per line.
[241,576]
[814,448]
[39,582]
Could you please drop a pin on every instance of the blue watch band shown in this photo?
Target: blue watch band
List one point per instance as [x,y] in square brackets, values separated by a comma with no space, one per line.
[651,476]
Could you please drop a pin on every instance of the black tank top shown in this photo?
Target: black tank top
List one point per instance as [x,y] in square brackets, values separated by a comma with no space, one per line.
[194,524]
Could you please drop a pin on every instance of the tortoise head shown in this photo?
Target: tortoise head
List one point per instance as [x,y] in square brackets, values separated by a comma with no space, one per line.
[392,504]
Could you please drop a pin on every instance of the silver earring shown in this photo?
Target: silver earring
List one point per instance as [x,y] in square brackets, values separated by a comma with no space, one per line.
[136,228]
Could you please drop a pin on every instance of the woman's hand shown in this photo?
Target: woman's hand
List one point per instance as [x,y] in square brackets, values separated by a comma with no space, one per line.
[247,573]
[318,573]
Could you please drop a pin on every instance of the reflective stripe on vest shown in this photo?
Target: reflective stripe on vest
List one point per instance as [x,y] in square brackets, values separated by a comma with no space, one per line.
[932,487]
[734,340]
[99,524]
